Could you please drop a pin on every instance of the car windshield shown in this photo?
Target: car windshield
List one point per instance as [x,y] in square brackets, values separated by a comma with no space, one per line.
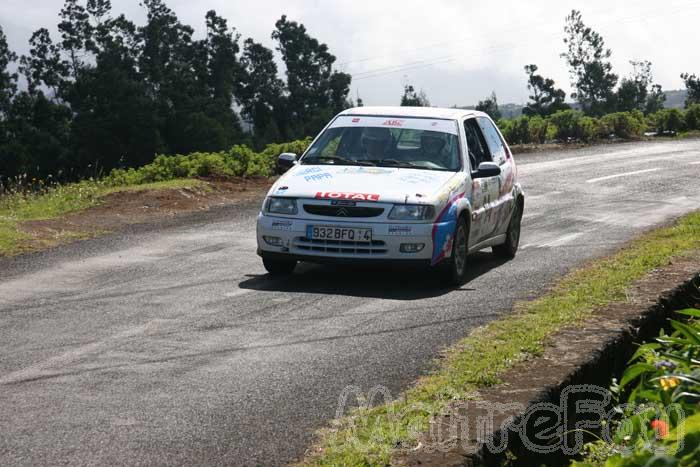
[414,143]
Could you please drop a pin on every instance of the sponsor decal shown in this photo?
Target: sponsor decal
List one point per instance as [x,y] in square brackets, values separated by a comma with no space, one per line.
[281,225]
[343,203]
[443,229]
[311,174]
[400,230]
[316,177]
[308,171]
[417,178]
[397,123]
[443,126]
[366,170]
[283,188]
[509,180]
[347,196]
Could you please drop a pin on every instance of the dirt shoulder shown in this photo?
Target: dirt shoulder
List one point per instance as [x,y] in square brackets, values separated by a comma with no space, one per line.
[133,206]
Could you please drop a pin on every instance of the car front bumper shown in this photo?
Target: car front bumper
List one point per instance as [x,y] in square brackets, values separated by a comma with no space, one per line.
[387,239]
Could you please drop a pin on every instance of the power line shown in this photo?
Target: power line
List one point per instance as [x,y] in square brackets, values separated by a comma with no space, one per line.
[495,49]
[505,31]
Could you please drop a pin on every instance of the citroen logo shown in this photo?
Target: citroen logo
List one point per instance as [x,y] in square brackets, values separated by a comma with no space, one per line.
[342,212]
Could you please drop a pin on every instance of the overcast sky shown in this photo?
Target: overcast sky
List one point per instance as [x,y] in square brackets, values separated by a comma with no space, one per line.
[457,51]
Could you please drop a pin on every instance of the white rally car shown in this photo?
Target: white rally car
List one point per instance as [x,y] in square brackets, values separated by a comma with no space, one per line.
[395,184]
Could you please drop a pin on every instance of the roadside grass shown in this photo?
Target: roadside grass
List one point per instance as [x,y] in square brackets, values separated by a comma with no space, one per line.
[16,208]
[369,436]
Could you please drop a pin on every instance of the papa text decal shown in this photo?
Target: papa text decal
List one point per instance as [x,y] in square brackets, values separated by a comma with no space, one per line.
[351,196]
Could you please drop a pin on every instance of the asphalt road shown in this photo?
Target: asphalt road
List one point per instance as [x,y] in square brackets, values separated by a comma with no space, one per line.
[172,346]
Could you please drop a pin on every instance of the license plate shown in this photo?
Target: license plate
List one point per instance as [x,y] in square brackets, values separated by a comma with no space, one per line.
[329,232]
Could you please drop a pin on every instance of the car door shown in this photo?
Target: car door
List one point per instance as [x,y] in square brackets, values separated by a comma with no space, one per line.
[484,190]
[503,203]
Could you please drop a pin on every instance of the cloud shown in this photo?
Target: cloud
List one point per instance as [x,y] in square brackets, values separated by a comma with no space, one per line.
[456,51]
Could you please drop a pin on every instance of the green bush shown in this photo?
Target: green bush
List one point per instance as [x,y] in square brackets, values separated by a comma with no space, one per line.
[517,130]
[239,161]
[627,125]
[541,130]
[667,120]
[573,125]
[692,117]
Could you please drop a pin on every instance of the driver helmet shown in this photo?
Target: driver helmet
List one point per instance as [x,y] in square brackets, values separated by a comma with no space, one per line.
[432,142]
[375,141]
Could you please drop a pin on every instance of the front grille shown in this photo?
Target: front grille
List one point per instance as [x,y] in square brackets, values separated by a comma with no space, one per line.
[342,211]
[376,247]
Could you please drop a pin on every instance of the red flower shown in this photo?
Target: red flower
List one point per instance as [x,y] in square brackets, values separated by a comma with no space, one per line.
[660,427]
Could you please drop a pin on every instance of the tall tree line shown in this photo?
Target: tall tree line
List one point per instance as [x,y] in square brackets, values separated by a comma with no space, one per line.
[109,93]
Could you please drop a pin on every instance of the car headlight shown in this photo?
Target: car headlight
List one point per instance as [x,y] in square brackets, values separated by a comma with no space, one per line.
[411,212]
[281,205]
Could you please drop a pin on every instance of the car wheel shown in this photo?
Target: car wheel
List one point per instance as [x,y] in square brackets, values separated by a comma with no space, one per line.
[510,247]
[279,267]
[455,268]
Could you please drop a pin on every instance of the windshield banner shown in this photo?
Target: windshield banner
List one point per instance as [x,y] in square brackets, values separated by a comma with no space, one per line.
[399,123]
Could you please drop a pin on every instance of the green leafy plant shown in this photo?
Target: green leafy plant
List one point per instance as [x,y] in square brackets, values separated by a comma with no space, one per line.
[660,422]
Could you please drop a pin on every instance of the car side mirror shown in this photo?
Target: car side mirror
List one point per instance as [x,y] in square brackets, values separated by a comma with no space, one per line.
[286,161]
[487,169]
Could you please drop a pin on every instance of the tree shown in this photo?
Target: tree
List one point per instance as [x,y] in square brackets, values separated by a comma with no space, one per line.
[8,81]
[590,70]
[490,106]
[411,98]
[261,91]
[545,98]
[655,100]
[76,33]
[116,121]
[638,93]
[44,65]
[106,93]
[33,129]
[692,84]
[190,82]
[314,90]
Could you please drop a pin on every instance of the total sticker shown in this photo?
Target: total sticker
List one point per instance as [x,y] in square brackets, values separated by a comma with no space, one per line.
[349,196]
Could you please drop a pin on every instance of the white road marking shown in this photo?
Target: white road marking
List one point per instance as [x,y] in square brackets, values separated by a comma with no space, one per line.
[562,240]
[559,241]
[236,293]
[608,177]
[695,163]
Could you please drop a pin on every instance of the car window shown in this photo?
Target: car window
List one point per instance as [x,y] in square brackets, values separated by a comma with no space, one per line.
[478,151]
[493,140]
[388,142]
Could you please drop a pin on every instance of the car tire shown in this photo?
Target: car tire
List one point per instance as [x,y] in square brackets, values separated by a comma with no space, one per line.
[508,249]
[454,269]
[279,267]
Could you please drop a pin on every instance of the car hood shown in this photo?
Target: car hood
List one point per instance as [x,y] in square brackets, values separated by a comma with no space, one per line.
[360,183]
